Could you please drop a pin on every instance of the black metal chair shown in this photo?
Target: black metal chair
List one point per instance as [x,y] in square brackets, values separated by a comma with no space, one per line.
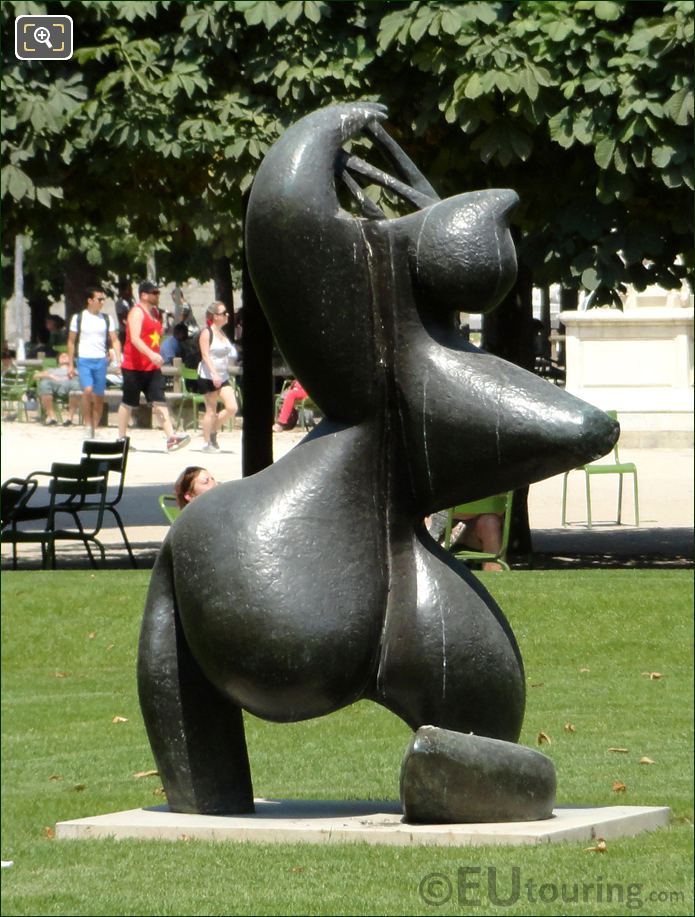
[73,490]
[115,455]
[16,493]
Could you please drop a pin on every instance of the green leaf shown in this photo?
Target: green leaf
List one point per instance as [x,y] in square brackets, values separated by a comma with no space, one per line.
[293,10]
[503,141]
[389,28]
[643,38]
[501,80]
[265,11]
[521,143]
[601,84]
[620,160]
[451,22]
[590,279]
[583,128]
[44,195]
[561,128]
[544,76]
[608,10]
[529,83]
[559,30]
[604,152]
[484,12]
[421,23]
[661,156]
[672,178]
[473,88]
[680,106]
[17,183]
[312,11]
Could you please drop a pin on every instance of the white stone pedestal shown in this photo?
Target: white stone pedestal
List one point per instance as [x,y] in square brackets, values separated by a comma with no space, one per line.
[340,821]
[639,363]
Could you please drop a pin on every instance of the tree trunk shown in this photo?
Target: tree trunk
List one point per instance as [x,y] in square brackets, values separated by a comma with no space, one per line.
[257,381]
[546,320]
[79,274]
[38,308]
[222,278]
[508,332]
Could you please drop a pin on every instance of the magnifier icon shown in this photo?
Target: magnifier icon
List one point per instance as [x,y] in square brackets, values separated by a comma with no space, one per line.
[43,36]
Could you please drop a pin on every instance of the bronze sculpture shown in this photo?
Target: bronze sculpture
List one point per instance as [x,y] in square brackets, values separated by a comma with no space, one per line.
[329,587]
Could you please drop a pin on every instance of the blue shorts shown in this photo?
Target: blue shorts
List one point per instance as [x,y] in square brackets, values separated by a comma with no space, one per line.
[92,374]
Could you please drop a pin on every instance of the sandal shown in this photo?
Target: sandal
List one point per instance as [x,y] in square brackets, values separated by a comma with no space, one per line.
[67,423]
[51,423]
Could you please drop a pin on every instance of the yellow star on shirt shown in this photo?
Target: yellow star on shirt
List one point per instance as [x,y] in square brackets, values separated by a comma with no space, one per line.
[155,339]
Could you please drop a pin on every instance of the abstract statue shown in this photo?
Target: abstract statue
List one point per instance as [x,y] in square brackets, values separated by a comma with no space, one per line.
[314,583]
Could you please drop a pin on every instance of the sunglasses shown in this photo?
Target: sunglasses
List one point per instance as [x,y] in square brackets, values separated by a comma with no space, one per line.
[221,313]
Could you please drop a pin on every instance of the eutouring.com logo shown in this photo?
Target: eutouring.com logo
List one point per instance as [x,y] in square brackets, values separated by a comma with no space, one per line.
[475,886]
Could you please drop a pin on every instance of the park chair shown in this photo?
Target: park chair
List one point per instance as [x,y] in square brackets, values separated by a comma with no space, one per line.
[115,456]
[306,408]
[12,392]
[280,396]
[500,503]
[192,398]
[169,507]
[16,493]
[615,467]
[73,490]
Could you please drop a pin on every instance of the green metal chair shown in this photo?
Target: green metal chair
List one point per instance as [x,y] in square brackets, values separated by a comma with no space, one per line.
[13,403]
[500,504]
[305,407]
[169,507]
[192,398]
[280,396]
[616,467]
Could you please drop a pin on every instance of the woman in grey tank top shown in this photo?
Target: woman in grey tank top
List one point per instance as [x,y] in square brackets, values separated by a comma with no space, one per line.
[216,350]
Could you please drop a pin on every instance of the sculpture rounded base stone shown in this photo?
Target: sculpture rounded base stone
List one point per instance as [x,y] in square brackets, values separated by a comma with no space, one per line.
[451,778]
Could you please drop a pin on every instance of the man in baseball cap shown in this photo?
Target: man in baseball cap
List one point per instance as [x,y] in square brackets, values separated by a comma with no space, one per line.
[141,366]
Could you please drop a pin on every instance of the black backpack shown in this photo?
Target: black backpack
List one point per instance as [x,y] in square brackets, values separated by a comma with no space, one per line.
[190,349]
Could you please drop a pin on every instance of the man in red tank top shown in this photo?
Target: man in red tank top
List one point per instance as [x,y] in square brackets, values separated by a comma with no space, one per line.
[141,366]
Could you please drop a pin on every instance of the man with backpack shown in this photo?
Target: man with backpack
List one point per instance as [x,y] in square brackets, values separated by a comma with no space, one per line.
[91,336]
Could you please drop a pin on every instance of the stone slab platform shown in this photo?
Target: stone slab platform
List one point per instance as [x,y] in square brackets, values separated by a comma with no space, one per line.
[330,821]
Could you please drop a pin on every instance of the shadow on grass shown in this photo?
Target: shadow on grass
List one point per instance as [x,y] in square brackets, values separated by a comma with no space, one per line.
[615,548]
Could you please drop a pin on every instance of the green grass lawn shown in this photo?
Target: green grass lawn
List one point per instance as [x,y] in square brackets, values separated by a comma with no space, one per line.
[590,640]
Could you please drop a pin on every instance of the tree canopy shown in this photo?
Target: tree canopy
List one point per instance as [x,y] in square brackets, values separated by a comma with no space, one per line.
[149,137]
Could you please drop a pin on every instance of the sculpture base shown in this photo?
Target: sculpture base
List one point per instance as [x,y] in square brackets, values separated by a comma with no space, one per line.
[329,821]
